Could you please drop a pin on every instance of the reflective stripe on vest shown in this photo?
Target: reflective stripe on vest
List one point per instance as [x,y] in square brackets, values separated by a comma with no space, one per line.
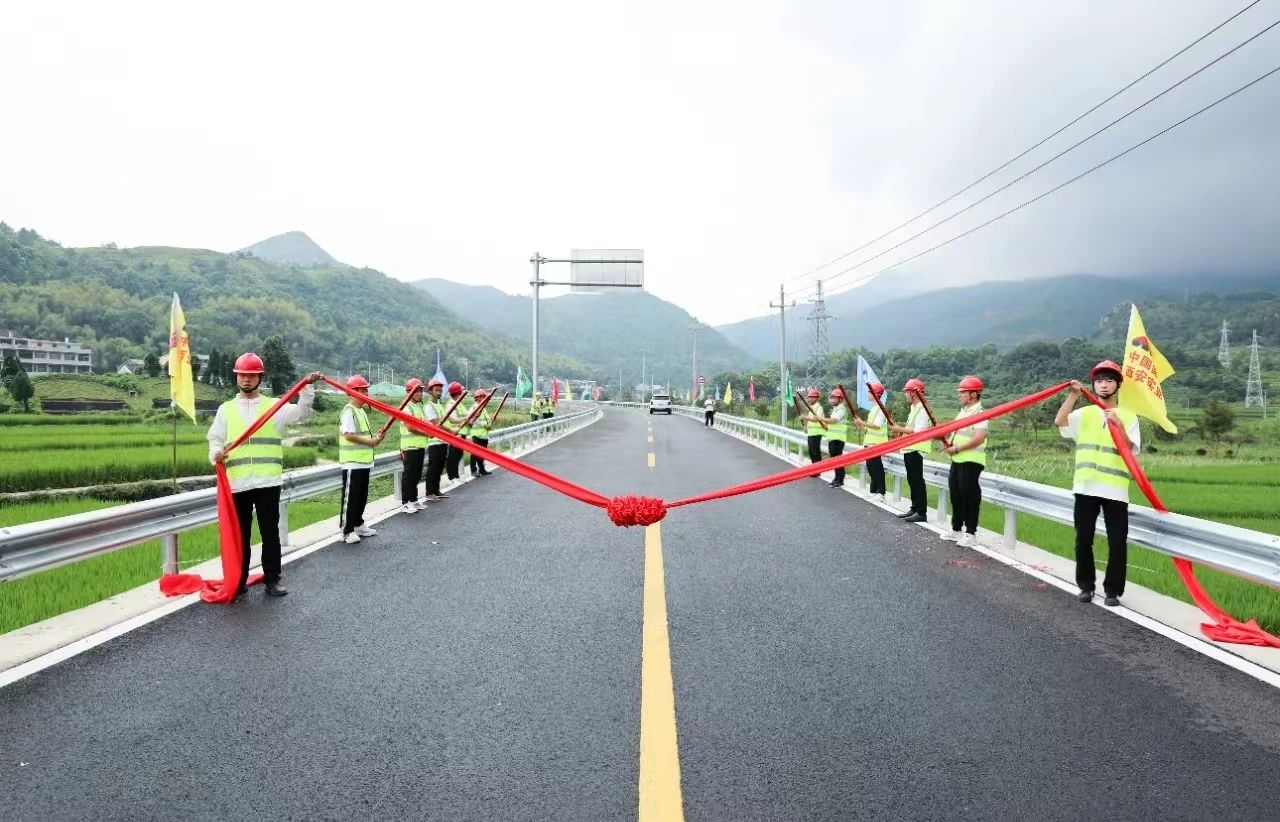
[875,437]
[260,456]
[838,431]
[923,447]
[977,454]
[815,429]
[350,451]
[409,438]
[1097,459]
[480,426]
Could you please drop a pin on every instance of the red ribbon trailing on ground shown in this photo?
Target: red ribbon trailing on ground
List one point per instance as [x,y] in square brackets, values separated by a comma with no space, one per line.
[626,511]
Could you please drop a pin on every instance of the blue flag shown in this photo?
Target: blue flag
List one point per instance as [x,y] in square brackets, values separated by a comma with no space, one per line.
[866,375]
[717,392]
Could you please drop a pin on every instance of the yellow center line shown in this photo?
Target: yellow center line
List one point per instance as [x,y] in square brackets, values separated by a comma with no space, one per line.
[660,797]
[651,460]
[651,439]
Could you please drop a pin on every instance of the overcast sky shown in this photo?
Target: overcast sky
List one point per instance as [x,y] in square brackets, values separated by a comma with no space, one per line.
[738,143]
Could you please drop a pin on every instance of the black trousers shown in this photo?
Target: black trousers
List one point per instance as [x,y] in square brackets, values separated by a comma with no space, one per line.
[477,464]
[815,448]
[453,459]
[966,495]
[1115,515]
[875,472]
[709,419]
[436,453]
[355,494]
[835,448]
[267,503]
[914,461]
[548,415]
[414,459]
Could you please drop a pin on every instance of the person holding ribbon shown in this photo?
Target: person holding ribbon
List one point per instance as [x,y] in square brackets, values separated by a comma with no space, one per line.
[413,449]
[913,455]
[1101,482]
[875,431]
[356,441]
[255,469]
[968,450]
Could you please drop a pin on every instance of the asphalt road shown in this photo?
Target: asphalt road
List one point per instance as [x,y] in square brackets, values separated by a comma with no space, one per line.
[481,660]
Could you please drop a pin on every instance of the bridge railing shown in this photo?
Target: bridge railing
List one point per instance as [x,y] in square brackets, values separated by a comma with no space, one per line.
[38,546]
[1251,554]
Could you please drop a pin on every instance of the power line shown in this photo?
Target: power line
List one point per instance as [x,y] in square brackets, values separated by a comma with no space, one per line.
[1055,157]
[1027,151]
[1062,185]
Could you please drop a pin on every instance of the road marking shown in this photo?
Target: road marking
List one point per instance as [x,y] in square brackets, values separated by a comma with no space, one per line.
[660,797]
[651,460]
[651,439]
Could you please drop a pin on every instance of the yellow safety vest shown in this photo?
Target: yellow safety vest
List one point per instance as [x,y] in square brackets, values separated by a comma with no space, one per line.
[815,429]
[260,456]
[410,439]
[1097,459]
[875,437]
[480,425]
[964,435]
[350,451]
[838,431]
[439,407]
[923,447]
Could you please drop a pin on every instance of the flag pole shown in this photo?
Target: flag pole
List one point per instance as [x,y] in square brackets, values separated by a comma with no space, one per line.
[173,415]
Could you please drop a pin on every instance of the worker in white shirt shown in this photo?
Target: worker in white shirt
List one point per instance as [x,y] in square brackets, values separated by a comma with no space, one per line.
[437,449]
[913,455]
[968,450]
[709,413]
[356,441]
[255,469]
[1101,482]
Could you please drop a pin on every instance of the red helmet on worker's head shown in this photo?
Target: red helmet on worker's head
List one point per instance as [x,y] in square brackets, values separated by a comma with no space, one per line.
[412,385]
[970,383]
[914,384]
[837,393]
[248,364]
[1105,366]
[355,381]
[877,389]
[434,383]
[455,387]
[813,392]
[480,393]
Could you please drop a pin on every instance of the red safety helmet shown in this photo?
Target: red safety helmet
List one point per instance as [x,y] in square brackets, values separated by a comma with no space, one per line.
[813,392]
[434,383]
[455,387]
[914,384]
[1107,365]
[480,393]
[412,385]
[876,389]
[248,364]
[357,381]
[970,383]
[837,393]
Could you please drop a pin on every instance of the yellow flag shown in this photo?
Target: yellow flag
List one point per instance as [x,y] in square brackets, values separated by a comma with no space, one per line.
[182,388]
[1144,369]
[728,394]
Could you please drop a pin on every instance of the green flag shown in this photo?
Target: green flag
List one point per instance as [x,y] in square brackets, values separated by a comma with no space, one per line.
[523,384]
[787,388]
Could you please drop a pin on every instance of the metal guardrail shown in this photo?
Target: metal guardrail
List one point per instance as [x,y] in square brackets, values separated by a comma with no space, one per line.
[1251,554]
[38,546]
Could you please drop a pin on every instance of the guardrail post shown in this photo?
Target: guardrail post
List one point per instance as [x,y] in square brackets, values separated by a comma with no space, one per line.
[1010,528]
[943,498]
[283,529]
[897,488]
[396,481]
[169,553]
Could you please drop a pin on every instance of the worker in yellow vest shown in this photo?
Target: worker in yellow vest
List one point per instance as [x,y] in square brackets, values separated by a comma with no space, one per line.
[968,450]
[536,407]
[837,431]
[437,449]
[1101,482]
[413,449]
[875,431]
[453,455]
[913,455]
[813,425]
[356,441]
[480,433]
[255,469]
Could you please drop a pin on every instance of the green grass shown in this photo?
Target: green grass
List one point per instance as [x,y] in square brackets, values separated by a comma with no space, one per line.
[47,594]
[81,437]
[93,417]
[114,387]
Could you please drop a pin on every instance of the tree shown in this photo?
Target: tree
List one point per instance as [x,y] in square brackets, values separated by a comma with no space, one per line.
[22,389]
[212,368]
[195,369]
[9,370]
[278,364]
[151,365]
[1217,419]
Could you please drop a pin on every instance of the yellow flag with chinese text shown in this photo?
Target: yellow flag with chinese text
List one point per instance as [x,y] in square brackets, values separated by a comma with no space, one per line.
[182,388]
[1144,369]
[728,394]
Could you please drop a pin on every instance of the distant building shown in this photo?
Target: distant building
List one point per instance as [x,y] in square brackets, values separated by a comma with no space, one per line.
[47,356]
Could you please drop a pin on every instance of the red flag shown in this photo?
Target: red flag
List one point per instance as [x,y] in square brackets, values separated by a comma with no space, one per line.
[751,390]
[555,391]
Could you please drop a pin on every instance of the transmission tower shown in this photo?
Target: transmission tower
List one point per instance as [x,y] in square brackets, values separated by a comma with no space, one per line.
[1224,348]
[820,346]
[1253,389]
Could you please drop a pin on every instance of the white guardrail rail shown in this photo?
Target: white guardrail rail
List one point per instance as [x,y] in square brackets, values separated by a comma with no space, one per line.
[1251,554]
[37,546]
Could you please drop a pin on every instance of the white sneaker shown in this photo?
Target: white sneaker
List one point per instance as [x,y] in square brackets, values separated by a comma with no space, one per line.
[409,508]
[879,497]
[422,504]
[950,536]
[966,540]
[365,531]
[351,539]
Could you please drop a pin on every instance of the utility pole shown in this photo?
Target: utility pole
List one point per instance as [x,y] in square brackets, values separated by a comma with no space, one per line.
[782,359]
[620,385]
[1224,348]
[820,348]
[1253,388]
